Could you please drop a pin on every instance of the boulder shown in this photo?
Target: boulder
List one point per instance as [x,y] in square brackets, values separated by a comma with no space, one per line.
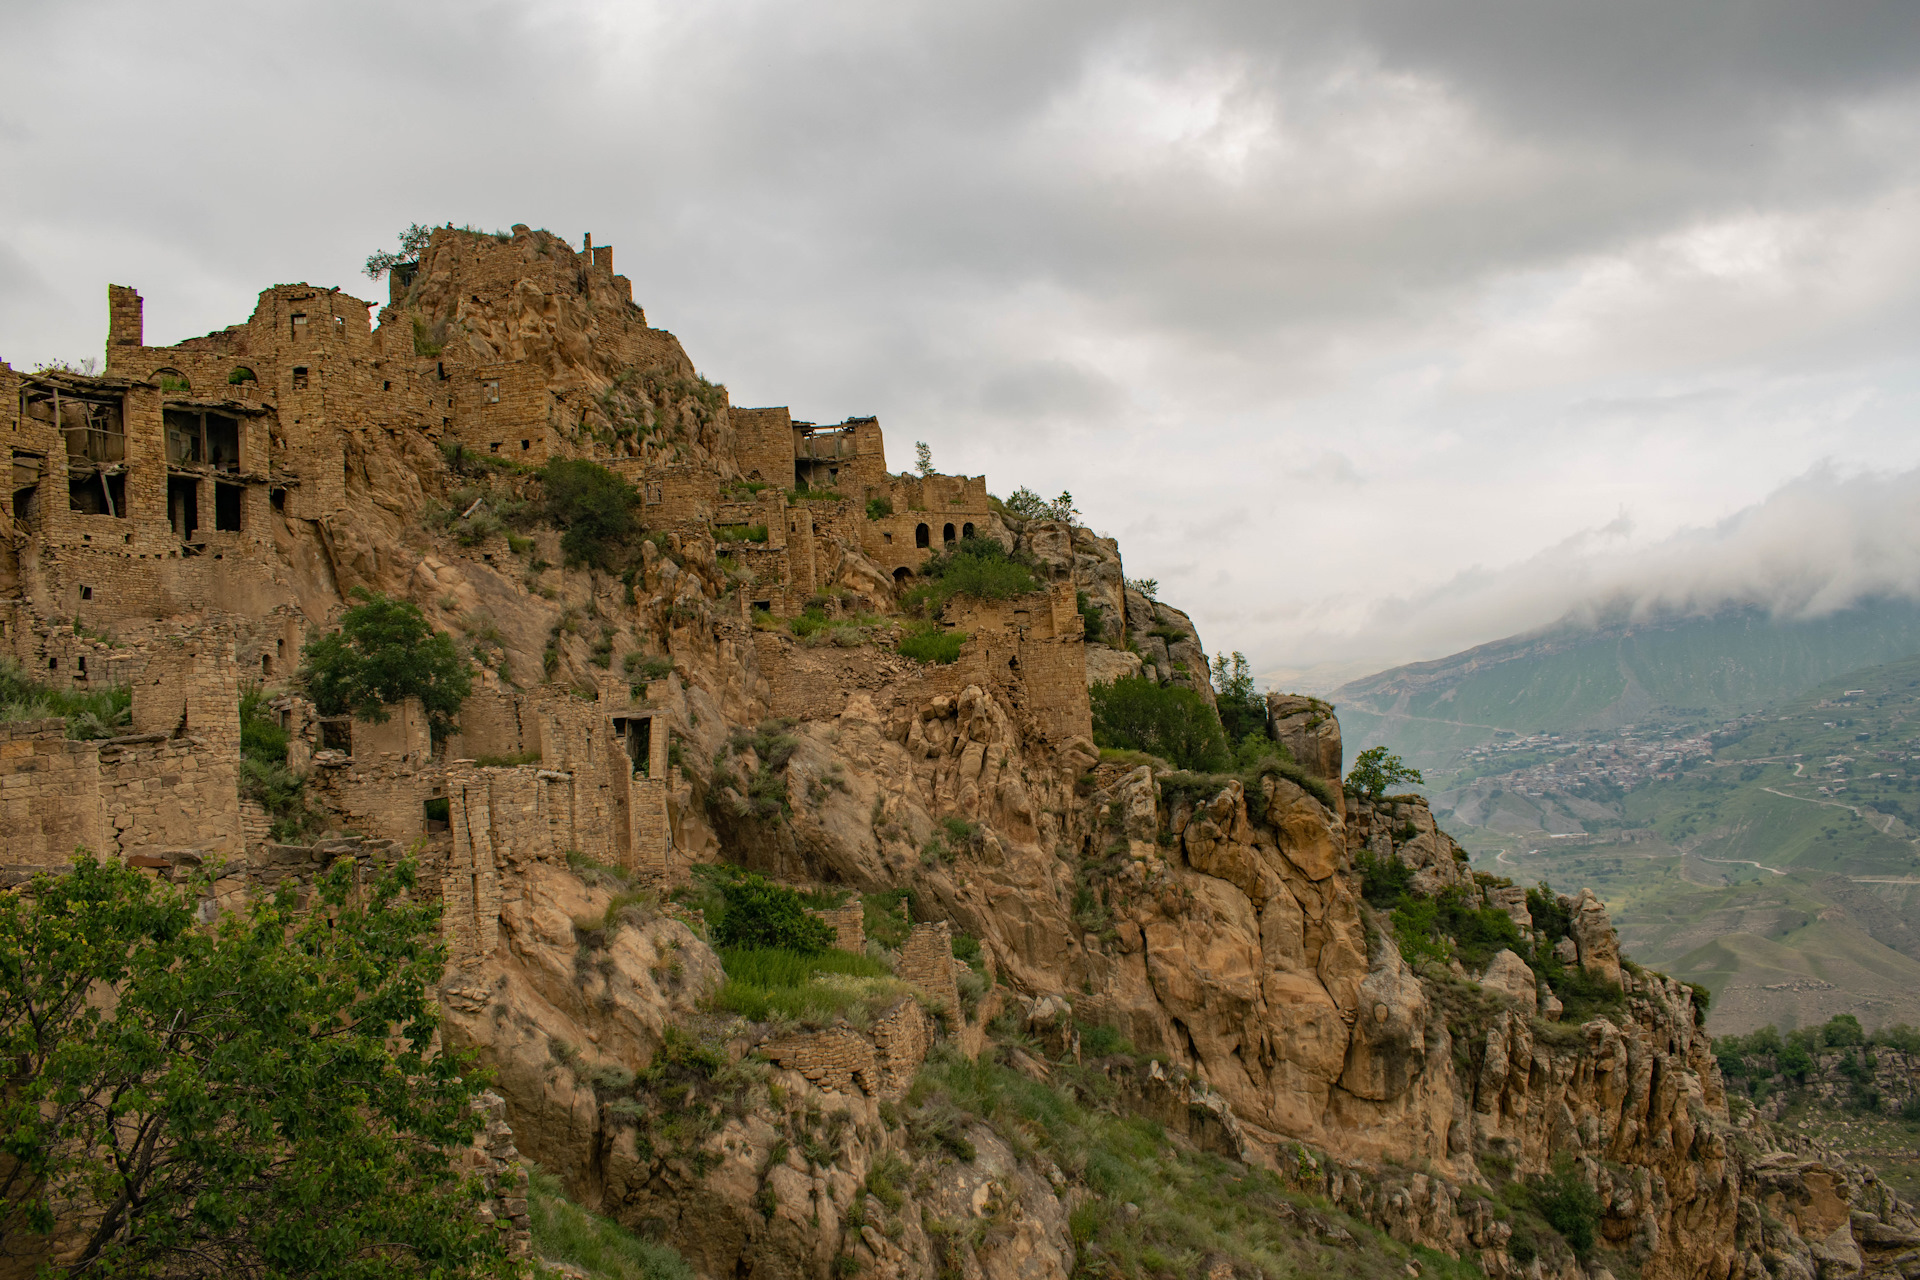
[1509,974]
[1593,934]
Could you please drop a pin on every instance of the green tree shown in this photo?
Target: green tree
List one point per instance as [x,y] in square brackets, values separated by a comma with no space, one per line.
[1376,769]
[595,508]
[385,651]
[258,1096]
[1169,721]
[1029,505]
[1842,1031]
[413,243]
[1243,712]
[922,457]
[760,913]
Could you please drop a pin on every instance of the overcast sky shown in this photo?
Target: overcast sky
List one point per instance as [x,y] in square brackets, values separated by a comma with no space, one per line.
[1372,330]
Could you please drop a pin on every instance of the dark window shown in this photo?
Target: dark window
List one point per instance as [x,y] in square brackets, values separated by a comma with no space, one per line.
[223,441]
[886,537]
[496,446]
[299,323]
[438,812]
[226,507]
[266,664]
[336,735]
[183,436]
[526,444]
[299,377]
[902,574]
[53,664]
[922,536]
[946,534]
[83,664]
[966,531]
[97,493]
[86,593]
[279,499]
[183,506]
[639,744]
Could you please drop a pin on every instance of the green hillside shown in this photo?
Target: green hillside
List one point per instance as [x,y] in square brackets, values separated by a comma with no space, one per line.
[1572,677]
[1765,848]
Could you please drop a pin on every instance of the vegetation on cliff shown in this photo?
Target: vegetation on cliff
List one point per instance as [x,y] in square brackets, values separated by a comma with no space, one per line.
[89,713]
[262,1095]
[384,652]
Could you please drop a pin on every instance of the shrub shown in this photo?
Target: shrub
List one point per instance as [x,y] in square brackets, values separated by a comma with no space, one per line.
[1093,619]
[879,508]
[385,651]
[99,713]
[595,509]
[978,567]
[1028,505]
[1568,1204]
[1169,721]
[639,666]
[814,986]
[928,642]
[740,533]
[1843,1031]
[759,913]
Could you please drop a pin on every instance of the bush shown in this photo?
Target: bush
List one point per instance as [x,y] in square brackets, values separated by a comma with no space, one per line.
[814,986]
[928,642]
[759,913]
[1093,619]
[595,509]
[879,508]
[385,652]
[1028,505]
[1843,1031]
[1169,721]
[978,567]
[1568,1204]
[100,713]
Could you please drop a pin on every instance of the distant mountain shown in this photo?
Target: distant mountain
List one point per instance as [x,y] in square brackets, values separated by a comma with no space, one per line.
[1575,676]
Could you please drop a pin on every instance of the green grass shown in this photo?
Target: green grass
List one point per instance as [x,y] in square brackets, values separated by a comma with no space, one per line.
[95,713]
[927,642]
[978,567]
[740,533]
[1194,1206]
[564,1232]
[767,982]
[511,761]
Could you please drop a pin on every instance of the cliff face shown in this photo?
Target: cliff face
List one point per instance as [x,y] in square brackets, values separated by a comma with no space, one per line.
[1197,950]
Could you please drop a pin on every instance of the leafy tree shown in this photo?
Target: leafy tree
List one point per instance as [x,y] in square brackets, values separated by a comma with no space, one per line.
[413,243]
[1843,1031]
[760,913]
[1169,721]
[595,507]
[1148,587]
[1376,769]
[259,1096]
[1243,712]
[1029,505]
[922,457]
[384,652]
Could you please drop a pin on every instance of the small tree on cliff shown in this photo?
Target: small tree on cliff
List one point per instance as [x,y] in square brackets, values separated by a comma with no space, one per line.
[385,652]
[1377,769]
[259,1096]
[413,243]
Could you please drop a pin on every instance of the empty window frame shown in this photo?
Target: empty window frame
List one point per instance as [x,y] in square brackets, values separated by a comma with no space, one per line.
[226,507]
[93,426]
[299,377]
[95,491]
[27,471]
[946,534]
[299,324]
[183,506]
[490,391]
[196,437]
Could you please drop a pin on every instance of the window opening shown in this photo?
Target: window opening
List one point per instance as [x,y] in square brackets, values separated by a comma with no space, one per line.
[639,745]
[86,593]
[266,664]
[438,812]
[183,436]
[83,664]
[336,734]
[226,507]
[27,469]
[97,492]
[53,664]
[299,323]
[946,535]
[922,536]
[526,444]
[223,441]
[887,538]
[278,498]
[299,377]
[966,531]
[172,381]
[240,375]
[493,390]
[902,574]
[183,506]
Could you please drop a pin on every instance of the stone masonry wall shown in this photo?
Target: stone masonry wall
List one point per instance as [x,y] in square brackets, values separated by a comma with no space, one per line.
[881,1062]
[49,795]
[926,960]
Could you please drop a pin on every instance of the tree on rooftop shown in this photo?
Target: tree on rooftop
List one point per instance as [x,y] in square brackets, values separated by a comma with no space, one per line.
[922,458]
[385,651]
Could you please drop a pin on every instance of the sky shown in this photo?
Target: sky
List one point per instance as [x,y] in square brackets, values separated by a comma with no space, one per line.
[1372,330]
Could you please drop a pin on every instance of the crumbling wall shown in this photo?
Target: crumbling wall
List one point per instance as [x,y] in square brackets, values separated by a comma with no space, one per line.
[926,960]
[49,795]
[163,793]
[880,1062]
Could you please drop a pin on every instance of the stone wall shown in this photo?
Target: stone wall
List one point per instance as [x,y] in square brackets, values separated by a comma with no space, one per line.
[880,1062]
[926,960]
[50,801]
[165,793]
[849,925]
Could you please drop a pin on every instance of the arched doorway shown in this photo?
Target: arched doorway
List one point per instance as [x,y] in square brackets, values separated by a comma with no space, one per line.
[922,536]
[901,575]
[966,531]
[947,534]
